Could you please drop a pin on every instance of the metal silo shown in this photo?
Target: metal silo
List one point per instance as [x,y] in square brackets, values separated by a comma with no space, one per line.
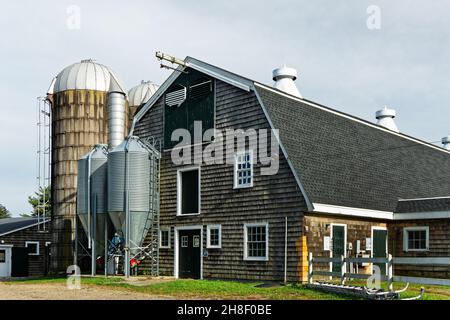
[79,98]
[131,187]
[91,198]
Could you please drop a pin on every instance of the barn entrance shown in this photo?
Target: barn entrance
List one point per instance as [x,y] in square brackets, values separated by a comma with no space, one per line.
[379,244]
[19,262]
[189,254]
[338,241]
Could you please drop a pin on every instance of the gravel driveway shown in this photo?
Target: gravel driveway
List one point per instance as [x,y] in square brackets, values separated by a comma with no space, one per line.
[59,291]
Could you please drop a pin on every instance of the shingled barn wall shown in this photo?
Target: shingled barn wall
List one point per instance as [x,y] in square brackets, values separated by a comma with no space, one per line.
[439,246]
[318,226]
[271,199]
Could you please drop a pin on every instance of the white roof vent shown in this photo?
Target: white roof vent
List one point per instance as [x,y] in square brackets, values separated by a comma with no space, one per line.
[284,78]
[385,118]
[446,142]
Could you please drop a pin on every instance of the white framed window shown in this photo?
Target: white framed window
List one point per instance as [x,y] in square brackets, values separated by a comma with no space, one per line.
[416,238]
[256,241]
[188,191]
[164,238]
[33,247]
[243,169]
[47,243]
[214,236]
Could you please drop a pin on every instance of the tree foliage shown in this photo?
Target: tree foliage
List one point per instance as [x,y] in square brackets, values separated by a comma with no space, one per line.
[41,202]
[4,213]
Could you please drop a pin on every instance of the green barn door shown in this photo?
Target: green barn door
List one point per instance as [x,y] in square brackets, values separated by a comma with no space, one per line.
[338,242]
[380,248]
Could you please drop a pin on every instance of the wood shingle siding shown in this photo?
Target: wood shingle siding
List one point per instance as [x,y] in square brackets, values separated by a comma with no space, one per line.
[270,200]
[439,246]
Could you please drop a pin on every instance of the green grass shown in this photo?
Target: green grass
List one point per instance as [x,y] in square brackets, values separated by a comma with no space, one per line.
[200,289]
[215,289]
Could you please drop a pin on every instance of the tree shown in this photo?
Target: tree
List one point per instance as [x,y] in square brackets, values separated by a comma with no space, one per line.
[41,202]
[4,213]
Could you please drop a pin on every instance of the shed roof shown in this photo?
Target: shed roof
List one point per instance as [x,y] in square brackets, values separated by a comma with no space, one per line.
[10,225]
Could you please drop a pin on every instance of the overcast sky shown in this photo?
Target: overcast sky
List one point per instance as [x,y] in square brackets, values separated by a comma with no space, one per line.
[342,63]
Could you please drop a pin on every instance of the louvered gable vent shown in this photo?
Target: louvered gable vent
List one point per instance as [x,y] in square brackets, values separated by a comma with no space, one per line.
[176,97]
[200,90]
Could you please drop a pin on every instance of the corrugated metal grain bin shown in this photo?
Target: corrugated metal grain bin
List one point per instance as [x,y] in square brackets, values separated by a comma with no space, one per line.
[129,172]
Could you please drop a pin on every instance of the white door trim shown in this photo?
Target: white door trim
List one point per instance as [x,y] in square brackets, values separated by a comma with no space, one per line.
[176,251]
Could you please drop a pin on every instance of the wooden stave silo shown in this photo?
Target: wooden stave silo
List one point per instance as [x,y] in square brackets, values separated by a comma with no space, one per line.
[79,122]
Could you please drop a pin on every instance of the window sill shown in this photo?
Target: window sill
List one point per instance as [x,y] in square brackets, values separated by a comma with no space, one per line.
[213,247]
[187,214]
[416,250]
[243,187]
[256,259]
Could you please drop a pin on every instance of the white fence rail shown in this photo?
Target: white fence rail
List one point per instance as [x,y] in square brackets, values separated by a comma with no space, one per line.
[343,274]
[389,277]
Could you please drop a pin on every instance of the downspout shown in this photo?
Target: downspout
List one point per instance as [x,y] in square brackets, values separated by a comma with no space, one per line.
[127,213]
[285,248]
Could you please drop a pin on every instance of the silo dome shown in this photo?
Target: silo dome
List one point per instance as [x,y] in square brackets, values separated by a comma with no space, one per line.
[86,75]
[141,93]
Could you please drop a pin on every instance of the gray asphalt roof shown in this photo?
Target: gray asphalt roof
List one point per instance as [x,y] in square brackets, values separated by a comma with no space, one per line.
[423,205]
[8,225]
[345,162]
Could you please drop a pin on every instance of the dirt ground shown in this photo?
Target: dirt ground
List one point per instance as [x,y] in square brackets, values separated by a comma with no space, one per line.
[59,291]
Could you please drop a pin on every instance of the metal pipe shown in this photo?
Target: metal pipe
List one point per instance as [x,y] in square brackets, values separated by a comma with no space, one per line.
[285,248]
[163,56]
[105,260]
[116,118]
[127,213]
[89,197]
[93,237]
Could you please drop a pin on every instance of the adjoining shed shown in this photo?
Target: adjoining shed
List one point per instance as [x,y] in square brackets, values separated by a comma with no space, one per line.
[24,247]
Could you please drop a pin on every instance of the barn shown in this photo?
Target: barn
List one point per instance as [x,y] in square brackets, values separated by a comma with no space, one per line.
[333,184]
[24,247]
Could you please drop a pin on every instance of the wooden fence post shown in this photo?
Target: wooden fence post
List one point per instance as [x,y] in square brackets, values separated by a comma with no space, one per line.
[310,268]
[390,273]
[343,270]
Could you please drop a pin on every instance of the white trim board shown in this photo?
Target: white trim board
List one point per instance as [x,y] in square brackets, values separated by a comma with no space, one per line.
[445,261]
[429,281]
[349,211]
[419,199]
[422,215]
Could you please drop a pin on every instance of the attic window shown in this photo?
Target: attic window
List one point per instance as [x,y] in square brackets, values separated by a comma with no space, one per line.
[176,97]
[200,90]
[243,169]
